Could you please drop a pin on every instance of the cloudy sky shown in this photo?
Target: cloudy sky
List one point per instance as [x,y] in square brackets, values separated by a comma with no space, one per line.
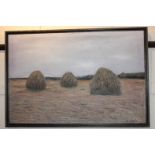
[81,53]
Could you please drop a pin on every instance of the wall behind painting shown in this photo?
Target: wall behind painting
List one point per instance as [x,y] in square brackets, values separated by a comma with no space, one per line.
[2,70]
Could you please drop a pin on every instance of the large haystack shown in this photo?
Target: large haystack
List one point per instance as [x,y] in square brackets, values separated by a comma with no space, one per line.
[68,80]
[36,81]
[105,82]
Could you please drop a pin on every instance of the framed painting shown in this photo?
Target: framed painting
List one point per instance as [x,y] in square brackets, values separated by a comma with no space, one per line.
[77,78]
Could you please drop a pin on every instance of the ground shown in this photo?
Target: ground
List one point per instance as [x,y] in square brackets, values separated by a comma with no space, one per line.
[56,104]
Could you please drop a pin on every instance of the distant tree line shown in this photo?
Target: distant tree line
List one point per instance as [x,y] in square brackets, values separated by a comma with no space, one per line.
[140,75]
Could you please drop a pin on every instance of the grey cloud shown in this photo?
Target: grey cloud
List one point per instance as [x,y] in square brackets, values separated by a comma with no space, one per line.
[81,53]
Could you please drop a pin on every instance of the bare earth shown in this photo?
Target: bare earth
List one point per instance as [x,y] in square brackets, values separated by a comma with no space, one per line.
[76,105]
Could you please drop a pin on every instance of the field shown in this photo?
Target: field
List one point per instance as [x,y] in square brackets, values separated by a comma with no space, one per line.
[75,105]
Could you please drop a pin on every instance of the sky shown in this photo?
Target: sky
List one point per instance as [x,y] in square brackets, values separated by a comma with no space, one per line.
[81,53]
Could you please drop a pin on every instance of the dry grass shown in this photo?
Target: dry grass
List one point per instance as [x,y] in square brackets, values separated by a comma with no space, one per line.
[36,81]
[105,82]
[68,80]
[56,104]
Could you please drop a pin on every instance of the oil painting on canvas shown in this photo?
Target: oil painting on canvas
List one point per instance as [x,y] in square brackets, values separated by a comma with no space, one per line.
[83,78]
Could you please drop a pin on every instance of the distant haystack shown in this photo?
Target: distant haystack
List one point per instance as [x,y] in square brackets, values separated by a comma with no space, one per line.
[36,81]
[68,80]
[105,82]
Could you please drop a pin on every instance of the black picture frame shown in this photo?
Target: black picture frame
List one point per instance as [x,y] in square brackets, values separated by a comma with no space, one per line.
[2,47]
[144,29]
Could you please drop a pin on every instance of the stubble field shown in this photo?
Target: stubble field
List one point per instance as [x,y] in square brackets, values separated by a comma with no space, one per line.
[58,105]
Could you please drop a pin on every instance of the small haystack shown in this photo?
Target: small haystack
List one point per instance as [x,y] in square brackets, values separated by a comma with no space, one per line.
[36,81]
[68,80]
[105,82]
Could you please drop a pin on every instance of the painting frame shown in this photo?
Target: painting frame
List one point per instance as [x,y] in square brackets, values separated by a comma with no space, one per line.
[144,29]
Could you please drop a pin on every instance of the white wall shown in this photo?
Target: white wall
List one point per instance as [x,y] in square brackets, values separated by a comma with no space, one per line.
[2,72]
[2,89]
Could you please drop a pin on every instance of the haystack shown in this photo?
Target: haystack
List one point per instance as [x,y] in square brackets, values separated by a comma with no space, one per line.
[36,81]
[68,80]
[105,82]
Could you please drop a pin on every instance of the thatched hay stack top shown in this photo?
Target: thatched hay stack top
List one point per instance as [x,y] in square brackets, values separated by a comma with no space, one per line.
[36,81]
[68,80]
[105,82]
